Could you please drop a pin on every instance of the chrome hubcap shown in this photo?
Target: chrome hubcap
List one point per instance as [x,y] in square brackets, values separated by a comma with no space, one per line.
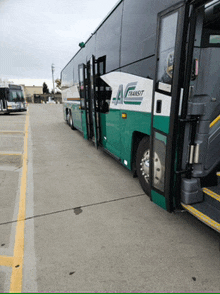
[145,165]
[157,169]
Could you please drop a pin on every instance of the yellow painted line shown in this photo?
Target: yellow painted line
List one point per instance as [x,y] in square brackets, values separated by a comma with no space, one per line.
[204,218]
[14,122]
[12,132]
[218,174]
[214,121]
[11,153]
[16,277]
[212,194]
[6,261]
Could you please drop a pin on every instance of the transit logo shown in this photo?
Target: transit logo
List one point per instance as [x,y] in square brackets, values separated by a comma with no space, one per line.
[129,96]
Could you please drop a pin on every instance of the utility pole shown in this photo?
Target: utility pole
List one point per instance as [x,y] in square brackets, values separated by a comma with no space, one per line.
[52,68]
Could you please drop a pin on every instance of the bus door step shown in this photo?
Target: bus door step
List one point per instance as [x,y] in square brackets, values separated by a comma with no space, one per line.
[208,211]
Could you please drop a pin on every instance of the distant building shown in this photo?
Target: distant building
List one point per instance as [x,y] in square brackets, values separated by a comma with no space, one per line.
[30,91]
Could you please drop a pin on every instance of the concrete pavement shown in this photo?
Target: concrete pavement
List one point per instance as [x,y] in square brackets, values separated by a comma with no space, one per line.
[89,226]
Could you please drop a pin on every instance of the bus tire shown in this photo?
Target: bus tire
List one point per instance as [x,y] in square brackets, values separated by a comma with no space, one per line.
[143,164]
[67,116]
[71,121]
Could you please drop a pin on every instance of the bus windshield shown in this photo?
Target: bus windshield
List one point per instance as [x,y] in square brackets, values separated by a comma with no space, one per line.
[16,95]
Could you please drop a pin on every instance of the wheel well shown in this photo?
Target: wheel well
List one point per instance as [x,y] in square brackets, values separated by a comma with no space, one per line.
[136,139]
[67,112]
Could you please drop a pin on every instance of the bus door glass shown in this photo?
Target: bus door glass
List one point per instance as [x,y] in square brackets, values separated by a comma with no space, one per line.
[165,91]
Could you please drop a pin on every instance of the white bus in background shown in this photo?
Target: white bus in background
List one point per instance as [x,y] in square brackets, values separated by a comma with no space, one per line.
[11,98]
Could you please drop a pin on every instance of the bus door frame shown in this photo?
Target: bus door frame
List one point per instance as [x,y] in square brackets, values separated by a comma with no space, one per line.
[3,101]
[99,71]
[93,101]
[89,89]
[83,90]
[164,196]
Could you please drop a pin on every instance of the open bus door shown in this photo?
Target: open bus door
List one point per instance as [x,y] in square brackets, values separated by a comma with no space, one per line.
[166,97]
[83,90]
[4,93]
[87,99]
[93,102]
[94,94]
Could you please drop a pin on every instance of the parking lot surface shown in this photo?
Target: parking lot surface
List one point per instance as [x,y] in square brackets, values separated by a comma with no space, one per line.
[72,219]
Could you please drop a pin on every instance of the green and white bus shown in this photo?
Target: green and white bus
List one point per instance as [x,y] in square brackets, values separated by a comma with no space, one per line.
[145,88]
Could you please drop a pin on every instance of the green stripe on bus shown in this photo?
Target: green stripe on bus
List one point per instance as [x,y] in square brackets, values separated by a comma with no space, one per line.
[134,103]
[162,123]
[158,199]
[160,137]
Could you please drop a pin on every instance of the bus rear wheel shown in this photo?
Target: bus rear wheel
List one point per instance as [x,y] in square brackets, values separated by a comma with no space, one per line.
[143,164]
[67,116]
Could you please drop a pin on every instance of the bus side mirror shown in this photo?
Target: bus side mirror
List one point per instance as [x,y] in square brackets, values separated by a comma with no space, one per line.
[195,69]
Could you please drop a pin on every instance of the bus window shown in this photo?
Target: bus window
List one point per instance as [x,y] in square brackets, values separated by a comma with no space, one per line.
[81,72]
[214,39]
[81,75]
[16,95]
[166,51]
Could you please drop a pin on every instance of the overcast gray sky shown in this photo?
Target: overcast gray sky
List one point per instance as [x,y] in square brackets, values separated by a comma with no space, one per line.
[35,34]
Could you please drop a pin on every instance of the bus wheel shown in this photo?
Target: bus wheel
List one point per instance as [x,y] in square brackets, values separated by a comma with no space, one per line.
[143,164]
[67,117]
[71,121]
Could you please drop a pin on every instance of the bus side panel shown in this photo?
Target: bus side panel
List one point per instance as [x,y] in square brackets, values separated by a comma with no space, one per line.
[77,118]
[84,127]
[161,120]
[111,133]
[135,122]
[65,107]
[131,101]
[117,133]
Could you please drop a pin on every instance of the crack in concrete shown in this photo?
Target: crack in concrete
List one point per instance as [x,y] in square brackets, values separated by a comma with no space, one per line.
[73,208]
